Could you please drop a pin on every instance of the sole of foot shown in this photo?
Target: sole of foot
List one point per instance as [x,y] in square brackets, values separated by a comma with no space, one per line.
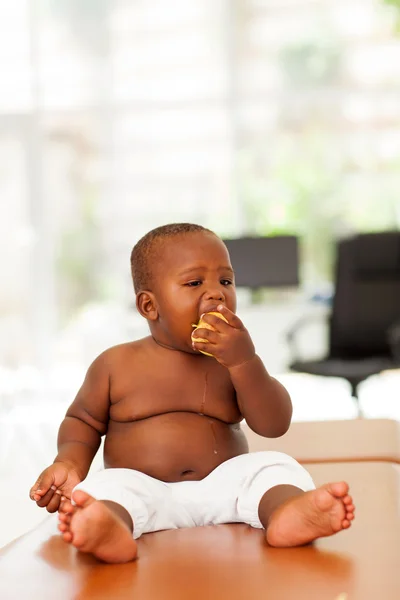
[319,513]
[92,527]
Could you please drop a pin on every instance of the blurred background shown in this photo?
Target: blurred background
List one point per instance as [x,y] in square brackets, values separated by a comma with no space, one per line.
[251,117]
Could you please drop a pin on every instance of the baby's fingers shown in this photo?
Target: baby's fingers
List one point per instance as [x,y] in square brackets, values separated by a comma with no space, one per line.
[45,499]
[36,492]
[54,503]
[42,485]
[204,334]
[231,317]
[206,348]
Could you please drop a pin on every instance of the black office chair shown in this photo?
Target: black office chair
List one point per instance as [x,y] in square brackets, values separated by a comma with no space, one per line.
[364,325]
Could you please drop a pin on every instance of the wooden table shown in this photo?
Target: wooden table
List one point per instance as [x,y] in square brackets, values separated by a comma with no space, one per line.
[227,561]
[335,441]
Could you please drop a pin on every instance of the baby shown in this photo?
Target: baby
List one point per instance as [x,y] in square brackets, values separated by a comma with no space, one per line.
[174,453]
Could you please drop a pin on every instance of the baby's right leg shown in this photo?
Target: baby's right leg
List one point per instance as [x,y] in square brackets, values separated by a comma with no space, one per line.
[101,528]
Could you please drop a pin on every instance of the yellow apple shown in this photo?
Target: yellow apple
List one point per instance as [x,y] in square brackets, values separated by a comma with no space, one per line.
[202,324]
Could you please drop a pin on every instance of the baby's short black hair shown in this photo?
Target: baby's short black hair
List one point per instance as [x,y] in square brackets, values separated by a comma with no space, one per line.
[143,252]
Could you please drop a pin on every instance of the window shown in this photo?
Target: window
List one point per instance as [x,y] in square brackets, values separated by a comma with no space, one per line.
[253,116]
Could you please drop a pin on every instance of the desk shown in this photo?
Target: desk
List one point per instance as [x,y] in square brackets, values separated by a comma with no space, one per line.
[227,561]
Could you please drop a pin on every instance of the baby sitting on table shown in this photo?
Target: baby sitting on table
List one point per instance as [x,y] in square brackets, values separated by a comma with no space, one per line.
[174,452]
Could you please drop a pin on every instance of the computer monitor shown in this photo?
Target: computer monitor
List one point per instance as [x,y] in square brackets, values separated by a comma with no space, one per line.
[265,261]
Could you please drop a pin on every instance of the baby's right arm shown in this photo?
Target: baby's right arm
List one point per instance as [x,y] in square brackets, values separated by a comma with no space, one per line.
[79,437]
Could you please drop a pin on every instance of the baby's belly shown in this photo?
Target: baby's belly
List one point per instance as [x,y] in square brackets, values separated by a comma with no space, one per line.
[175,446]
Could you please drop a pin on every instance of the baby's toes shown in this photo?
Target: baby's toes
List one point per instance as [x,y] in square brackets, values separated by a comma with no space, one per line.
[67,536]
[64,517]
[349,509]
[66,507]
[347,499]
[63,527]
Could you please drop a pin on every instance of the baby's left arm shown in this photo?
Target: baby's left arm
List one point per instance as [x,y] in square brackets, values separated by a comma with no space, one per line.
[263,401]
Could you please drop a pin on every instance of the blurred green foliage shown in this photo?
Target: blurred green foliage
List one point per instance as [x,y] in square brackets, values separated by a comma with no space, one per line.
[77,260]
[311,63]
[395,4]
[309,188]
[303,180]
[297,195]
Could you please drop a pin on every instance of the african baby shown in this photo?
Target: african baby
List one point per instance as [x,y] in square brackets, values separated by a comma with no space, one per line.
[174,452]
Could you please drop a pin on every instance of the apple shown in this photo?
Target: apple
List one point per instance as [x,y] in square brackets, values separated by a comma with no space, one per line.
[202,324]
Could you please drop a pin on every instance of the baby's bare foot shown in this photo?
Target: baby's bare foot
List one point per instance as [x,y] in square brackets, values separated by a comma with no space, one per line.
[92,527]
[319,513]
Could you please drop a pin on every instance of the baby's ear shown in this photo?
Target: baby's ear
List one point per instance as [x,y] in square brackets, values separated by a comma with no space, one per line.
[147,305]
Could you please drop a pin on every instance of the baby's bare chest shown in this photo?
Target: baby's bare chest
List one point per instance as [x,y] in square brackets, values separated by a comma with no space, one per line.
[145,392]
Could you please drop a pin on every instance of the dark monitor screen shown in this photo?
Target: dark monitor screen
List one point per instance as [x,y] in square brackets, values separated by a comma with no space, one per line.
[265,261]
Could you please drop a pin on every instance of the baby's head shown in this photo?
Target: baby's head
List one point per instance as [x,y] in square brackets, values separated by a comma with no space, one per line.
[180,271]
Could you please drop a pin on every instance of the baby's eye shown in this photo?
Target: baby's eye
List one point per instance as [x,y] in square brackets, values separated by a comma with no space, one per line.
[193,283]
[226,282]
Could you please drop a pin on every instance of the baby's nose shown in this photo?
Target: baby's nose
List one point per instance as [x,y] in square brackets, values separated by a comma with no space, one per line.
[215,294]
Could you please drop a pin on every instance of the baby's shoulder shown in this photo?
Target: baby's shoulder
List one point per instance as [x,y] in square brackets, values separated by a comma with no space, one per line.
[126,350]
[121,353]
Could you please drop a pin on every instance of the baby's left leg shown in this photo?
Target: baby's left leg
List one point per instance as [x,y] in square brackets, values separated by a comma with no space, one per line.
[292,517]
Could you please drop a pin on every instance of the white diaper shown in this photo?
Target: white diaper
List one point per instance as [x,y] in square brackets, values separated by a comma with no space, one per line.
[229,494]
